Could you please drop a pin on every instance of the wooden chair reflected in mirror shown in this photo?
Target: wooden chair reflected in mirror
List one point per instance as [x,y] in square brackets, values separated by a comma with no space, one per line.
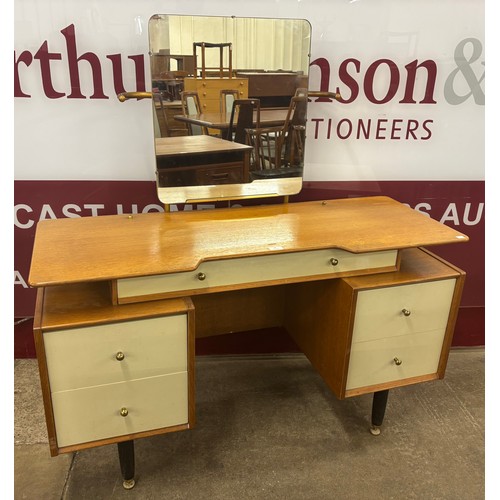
[294,146]
[191,106]
[227,97]
[245,115]
[279,151]
[160,119]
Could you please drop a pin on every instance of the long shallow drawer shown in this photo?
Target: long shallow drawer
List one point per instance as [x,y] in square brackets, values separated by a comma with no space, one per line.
[85,415]
[264,268]
[89,356]
[211,88]
[392,359]
[402,310]
[229,173]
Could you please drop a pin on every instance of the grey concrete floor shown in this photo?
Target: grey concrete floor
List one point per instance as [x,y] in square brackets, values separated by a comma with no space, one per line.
[268,428]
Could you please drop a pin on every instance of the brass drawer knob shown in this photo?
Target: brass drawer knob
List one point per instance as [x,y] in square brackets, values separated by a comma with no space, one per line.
[123,412]
[398,361]
[334,261]
[201,276]
[120,356]
[406,312]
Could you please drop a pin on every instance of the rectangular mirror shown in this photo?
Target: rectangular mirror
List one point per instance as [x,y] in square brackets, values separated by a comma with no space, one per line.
[229,106]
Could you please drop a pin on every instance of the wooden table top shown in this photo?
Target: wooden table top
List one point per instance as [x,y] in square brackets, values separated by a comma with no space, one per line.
[195,144]
[220,121]
[118,246]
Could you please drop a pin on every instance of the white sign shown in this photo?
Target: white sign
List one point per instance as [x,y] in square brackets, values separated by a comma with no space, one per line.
[411,77]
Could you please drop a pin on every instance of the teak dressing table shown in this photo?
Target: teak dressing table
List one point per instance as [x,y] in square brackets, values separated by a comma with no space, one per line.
[121,299]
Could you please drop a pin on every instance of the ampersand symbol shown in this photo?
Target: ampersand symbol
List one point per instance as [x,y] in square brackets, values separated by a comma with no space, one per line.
[464,67]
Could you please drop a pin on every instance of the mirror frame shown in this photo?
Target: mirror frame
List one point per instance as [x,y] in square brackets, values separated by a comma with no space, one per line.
[258,188]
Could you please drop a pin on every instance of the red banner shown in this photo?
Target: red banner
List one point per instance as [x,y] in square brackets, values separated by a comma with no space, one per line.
[459,204]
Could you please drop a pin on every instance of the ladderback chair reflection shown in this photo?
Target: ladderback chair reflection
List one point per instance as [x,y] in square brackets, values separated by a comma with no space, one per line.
[295,140]
[160,120]
[270,143]
[191,106]
[245,115]
[227,97]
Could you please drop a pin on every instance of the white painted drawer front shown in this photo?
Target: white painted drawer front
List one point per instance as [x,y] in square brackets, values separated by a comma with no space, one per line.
[84,357]
[90,414]
[256,269]
[379,312]
[373,362]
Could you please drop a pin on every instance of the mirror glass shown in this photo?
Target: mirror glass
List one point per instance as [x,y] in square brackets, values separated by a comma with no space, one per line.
[229,106]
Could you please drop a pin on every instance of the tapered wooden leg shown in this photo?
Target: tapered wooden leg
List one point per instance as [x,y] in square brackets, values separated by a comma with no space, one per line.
[378,410]
[127,463]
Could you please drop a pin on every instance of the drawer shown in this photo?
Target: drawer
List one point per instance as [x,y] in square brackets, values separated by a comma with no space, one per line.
[374,362]
[254,270]
[209,105]
[90,414]
[208,90]
[225,174]
[176,177]
[402,310]
[87,356]
[211,87]
[213,94]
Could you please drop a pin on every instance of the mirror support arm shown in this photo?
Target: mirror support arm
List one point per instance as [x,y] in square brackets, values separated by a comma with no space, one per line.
[125,96]
[331,95]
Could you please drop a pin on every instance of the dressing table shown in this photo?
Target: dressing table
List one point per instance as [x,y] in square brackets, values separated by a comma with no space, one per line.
[121,299]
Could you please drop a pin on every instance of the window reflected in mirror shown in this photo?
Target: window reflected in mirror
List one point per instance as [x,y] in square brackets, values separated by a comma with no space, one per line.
[229,106]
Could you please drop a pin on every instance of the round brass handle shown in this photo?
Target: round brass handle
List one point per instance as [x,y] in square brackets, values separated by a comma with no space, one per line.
[201,276]
[120,356]
[398,361]
[123,412]
[334,261]
[406,312]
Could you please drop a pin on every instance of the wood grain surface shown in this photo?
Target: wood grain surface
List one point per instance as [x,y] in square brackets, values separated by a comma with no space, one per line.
[117,246]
